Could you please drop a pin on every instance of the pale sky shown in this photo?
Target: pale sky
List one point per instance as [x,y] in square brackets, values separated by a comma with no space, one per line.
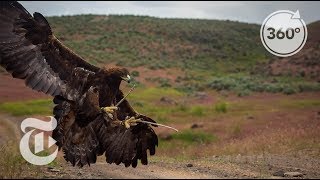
[244,11]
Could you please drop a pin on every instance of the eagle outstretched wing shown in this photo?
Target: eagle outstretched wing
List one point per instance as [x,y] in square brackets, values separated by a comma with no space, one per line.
[29,51]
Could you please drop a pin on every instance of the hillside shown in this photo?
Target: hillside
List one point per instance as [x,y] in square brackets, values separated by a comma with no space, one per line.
[159,43]
[305,63]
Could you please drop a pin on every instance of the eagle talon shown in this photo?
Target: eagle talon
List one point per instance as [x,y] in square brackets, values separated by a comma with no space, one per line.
[110,115]
[130,122]
[109,109]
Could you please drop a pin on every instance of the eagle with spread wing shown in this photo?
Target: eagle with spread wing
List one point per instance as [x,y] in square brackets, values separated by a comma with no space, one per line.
[91,122]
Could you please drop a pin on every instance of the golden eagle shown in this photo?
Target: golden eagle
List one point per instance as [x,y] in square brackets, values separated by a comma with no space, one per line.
[89,123]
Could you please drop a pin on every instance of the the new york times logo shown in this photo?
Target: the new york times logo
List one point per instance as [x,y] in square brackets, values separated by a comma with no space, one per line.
[38,142]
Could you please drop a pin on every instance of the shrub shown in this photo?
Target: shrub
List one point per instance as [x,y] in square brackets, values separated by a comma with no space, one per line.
[164,83]
[289,90]
[182,108]
[197,111]
[244,92]
[273,88]
[135,73]
[308,87]
[134,81]
[221,107]
[243,85]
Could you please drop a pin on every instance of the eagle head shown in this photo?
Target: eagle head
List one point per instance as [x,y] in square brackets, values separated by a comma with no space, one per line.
[118,74]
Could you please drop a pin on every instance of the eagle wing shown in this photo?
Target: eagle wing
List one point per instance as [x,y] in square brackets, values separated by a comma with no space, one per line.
[29,51]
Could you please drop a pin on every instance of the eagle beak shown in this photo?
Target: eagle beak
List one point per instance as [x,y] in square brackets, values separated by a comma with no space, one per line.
[127,78]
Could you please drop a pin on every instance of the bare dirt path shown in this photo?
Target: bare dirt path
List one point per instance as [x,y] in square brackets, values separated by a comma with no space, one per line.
[9,128]
[212,168]
[155,170]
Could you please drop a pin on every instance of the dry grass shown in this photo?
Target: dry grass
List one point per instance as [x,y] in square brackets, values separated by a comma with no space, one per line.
[285,141]
[282,125]
[12,164]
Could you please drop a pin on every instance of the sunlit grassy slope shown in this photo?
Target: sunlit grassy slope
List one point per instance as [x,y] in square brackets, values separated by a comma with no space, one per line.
[160,43]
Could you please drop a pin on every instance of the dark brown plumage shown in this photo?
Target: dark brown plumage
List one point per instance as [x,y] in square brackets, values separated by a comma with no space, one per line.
[30,51]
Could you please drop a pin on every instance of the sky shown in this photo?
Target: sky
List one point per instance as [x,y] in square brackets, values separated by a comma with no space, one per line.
[243,11]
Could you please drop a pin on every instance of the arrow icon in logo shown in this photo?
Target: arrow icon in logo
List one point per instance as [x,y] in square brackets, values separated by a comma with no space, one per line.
[296,15]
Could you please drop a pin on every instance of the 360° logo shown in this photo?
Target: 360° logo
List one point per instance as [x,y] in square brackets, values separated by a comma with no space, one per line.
[284,33]
[25,150]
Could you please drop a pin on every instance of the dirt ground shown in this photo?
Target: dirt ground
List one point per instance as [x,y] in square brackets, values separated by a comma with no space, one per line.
[12,89]
[215,167]
[234,166]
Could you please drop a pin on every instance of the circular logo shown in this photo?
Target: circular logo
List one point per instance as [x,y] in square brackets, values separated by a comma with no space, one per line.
[283,33]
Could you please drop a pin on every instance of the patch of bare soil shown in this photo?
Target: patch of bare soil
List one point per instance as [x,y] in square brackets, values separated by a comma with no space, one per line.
[12,89]
[262,166]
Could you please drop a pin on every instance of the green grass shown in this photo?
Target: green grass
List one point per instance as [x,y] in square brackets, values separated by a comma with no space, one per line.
[162,119]
[301,103]
[149,94]
[44,153]
[197,111]
[190,136]
[146,101]
[221,107]
[39,107]
[176,113]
